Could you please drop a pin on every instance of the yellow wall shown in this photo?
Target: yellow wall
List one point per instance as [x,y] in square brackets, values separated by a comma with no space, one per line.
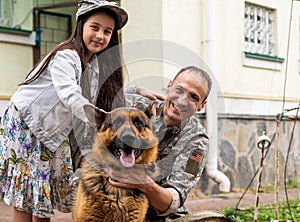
[16,59]
[145,22]
[15,62]
[168,29]
[145,19]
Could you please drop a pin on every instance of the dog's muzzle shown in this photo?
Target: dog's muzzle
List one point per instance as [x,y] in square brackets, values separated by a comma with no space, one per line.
[128,138]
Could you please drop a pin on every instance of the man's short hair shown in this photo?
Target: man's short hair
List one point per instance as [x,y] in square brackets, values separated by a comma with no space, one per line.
[203,74]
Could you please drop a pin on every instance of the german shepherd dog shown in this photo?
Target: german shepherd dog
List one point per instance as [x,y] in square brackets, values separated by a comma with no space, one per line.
[124,138]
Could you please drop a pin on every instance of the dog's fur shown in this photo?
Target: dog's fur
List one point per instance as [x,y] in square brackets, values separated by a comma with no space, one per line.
[122,128]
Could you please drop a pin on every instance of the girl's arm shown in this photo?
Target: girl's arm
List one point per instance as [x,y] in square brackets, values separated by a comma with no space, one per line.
[65,71]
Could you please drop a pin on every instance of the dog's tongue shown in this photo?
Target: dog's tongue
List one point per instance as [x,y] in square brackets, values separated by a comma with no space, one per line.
[127,159]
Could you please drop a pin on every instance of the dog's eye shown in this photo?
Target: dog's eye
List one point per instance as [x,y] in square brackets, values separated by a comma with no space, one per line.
[117,122]
[138,123]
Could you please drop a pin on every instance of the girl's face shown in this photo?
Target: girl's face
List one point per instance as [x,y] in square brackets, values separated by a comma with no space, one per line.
[97,32]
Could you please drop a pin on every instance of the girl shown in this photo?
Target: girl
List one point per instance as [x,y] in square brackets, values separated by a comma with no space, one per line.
[35,159]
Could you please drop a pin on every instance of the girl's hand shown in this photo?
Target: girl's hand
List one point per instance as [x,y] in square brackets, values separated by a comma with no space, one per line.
[148,93]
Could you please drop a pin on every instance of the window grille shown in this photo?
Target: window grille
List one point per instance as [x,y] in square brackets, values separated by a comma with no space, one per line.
[259,30]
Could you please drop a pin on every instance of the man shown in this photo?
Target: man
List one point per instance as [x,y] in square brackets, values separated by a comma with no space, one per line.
[182,136]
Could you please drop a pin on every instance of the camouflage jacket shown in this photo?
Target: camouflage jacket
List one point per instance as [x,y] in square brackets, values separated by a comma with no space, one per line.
[187,144]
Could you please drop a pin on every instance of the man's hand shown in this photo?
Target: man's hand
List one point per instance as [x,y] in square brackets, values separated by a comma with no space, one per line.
[133,177]
[136,178]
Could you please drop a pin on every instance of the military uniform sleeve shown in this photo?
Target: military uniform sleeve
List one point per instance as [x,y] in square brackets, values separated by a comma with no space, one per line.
[137,101]
[130,89]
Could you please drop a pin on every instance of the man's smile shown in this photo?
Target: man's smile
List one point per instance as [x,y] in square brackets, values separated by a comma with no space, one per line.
[177,108]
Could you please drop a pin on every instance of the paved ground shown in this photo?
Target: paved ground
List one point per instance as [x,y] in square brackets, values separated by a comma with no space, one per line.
[222,201]
[213,202]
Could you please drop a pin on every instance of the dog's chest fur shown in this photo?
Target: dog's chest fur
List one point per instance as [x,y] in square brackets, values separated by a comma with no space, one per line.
[104,202]
[96,199]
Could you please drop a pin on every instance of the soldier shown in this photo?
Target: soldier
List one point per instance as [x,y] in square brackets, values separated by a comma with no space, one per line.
[181,136]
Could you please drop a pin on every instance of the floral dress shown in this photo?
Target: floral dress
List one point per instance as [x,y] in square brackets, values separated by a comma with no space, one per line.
[32,178]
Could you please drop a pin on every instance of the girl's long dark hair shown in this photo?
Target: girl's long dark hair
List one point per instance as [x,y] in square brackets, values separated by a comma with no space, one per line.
[110,64]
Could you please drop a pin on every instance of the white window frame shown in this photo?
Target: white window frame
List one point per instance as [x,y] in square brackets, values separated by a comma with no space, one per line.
[259,30]
[259,38]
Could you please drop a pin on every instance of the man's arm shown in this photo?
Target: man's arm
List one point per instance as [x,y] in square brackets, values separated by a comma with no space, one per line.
[143,92]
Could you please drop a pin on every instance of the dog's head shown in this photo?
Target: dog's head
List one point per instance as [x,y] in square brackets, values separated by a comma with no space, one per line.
[126,132]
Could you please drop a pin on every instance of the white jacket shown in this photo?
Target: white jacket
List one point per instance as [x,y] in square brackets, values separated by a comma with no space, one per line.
[48,104]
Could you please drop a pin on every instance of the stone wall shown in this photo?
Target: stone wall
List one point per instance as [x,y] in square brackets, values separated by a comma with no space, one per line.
[239,157]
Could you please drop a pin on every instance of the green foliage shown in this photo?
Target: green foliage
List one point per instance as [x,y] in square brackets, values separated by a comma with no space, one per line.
[266,189]
[286,211]
[292,183]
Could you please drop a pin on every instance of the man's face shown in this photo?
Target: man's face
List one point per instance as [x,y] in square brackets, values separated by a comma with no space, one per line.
[185,96]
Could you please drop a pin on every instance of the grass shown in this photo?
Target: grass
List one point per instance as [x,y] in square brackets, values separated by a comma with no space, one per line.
[286,212]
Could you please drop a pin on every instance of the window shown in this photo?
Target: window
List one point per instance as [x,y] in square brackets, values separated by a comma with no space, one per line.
[259,38]
[9,31]
[259,30]
[7,13]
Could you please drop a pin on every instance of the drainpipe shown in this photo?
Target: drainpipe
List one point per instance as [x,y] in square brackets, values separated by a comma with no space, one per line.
[212,114]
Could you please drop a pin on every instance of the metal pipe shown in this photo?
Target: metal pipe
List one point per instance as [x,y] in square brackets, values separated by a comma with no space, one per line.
[212,113]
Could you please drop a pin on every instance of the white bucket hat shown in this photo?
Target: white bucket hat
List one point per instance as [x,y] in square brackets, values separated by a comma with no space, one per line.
[85,6]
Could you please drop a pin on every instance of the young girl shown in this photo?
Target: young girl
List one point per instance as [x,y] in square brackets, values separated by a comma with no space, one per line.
[35,160]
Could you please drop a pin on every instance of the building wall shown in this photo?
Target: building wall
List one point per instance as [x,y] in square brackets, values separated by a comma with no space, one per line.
[13,67]
[239,157]
[144,24]
[185,25]
[258,85]
[16,56]
[15,61]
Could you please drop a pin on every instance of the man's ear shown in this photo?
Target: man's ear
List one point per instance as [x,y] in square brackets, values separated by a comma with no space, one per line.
[95,115]
[169,85]
[202,105]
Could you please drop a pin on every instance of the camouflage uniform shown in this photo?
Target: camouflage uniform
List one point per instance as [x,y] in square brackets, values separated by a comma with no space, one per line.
[187,144]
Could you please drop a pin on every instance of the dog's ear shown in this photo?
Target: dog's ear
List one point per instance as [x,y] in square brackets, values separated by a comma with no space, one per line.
[95,115]
[151,111]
